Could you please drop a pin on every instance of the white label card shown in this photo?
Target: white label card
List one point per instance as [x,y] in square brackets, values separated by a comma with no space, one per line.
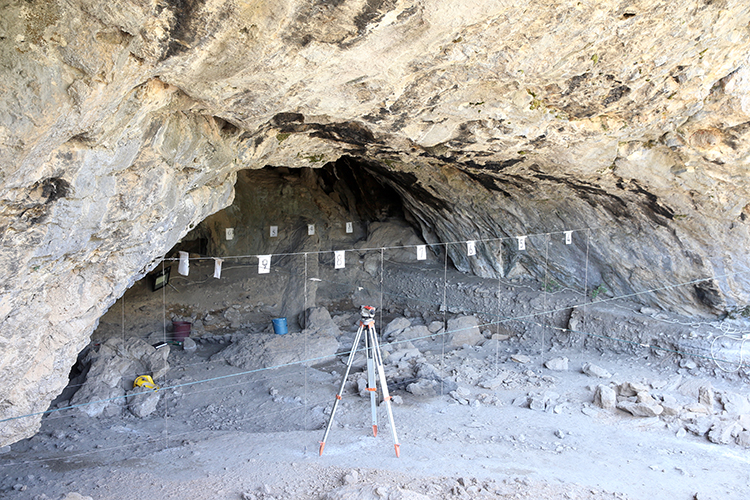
[349,227]
[274,231]
[264,264]
[568,237]
[310,229]
[471,248]
[217,268]
[339,259]
[230,233]
[184,266]
[521,242]
[421,252]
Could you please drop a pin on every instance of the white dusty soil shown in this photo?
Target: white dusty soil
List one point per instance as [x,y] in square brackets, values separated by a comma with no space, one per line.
[255,434]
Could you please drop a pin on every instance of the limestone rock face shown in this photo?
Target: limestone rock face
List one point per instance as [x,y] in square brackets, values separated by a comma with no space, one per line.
[123,123]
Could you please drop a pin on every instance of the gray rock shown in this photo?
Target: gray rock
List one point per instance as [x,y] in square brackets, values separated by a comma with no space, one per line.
[700,425]
[592,370]
[521,358]
[436,327]
[724,431]
[640,409]
[557,364]
[142,401]
[544,401]
[234,317]
[424,387]
[413,333]
[743,439]
[463,331]
[395,327]
[605,397]
[734,404]
[706,397]
[112,371]
[671,406]
[189,345]
[267,350]
[628,389]
[317,320]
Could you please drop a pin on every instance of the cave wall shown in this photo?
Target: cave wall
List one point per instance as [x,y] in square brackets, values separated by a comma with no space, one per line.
[123,123]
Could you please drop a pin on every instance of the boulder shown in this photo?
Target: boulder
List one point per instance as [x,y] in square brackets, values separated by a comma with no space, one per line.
[557,364]
[142,401]
[436,327]
[317,320]
[743,439]
[395,327]
[700,425]
[592,370]
[264,350]
[605,397]
[113,368]
[734,404]
[706,397]
[463,331]
[724,431]
[640,409]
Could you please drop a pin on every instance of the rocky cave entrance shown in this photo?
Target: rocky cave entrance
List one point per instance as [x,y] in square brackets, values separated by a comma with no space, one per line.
[451,338]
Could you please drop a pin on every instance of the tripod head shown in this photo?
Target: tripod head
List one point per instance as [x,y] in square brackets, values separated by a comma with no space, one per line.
[366,312]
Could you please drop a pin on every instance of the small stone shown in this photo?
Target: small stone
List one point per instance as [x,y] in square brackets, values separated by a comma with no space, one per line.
[706,397]
[435,327]
[521,358]
[640,409]
[189,345]
[743,439]
[688,364]
[681,433]
[557,364]
[592,370]
[352,477]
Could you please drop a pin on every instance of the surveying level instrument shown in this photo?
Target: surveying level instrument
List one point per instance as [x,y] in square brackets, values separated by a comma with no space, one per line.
[374,361]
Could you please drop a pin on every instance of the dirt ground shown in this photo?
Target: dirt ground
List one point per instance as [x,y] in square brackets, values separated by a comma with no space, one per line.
[500,425]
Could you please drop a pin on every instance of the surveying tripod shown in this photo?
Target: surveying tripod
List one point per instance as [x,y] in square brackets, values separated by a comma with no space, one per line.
[374,360]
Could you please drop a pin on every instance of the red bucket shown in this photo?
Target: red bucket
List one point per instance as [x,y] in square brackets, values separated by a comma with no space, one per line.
[180,330]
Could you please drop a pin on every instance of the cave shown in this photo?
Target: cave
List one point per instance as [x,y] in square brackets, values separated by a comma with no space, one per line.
[541,211]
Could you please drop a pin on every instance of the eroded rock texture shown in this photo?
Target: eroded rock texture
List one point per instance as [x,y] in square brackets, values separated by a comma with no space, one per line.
[123,123]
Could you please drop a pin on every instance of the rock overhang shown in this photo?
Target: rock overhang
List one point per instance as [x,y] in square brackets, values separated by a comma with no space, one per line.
[126,122]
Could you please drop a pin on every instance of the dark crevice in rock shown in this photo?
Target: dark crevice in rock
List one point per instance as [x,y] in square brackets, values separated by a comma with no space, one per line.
[652,203]
[182,33]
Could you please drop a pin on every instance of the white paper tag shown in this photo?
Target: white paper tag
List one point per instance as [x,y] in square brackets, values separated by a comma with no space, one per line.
[264,264]
[421,252]
[274,231]
[568,237]
[230,233]
[521,242]
[340,261]
[184,267]
[217,268]
[471,248]
[310,229]
[349,227]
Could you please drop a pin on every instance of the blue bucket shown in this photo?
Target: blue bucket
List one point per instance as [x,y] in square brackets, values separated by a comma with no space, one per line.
[279,326]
